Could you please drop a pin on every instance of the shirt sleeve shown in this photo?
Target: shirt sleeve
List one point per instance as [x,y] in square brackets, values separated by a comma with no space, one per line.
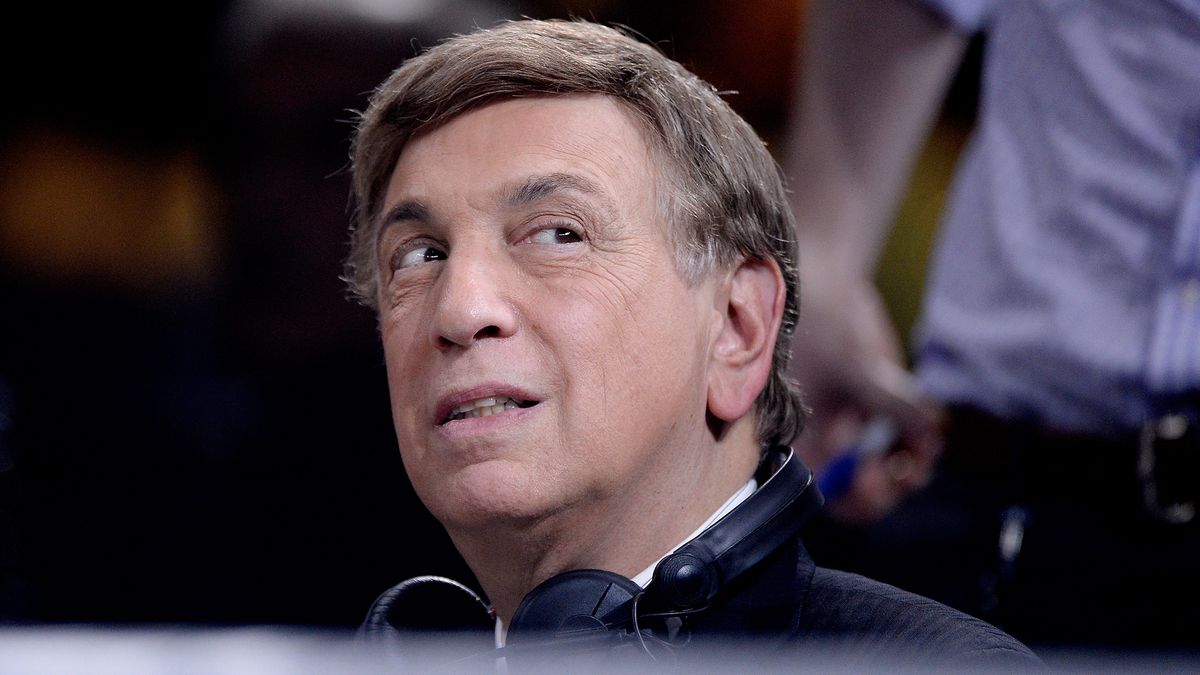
[967,16]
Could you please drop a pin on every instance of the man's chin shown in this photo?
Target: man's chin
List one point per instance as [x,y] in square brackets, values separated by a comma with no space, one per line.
[495,494]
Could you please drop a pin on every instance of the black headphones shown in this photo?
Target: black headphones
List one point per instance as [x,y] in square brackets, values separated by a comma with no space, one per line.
[591,605]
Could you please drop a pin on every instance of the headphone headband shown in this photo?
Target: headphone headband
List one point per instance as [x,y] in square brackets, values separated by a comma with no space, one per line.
[692,576]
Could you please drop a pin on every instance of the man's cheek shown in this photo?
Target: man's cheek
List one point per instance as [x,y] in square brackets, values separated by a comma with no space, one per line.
[616,282]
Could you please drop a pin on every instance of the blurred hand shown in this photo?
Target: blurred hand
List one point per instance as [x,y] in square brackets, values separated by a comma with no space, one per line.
[847,359]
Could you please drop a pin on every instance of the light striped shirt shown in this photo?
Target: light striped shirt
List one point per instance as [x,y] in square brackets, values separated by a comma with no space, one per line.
[1065,287]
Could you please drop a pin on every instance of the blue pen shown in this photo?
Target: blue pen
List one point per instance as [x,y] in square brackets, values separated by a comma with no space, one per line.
[837,477]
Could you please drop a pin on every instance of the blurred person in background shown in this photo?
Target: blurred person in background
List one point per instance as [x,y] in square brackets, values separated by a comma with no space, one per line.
[1055,409]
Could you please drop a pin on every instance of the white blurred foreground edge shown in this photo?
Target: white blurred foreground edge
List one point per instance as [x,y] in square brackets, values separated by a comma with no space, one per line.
[266,650]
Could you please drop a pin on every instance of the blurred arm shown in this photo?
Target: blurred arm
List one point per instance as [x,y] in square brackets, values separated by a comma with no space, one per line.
[873,75]
[872,78]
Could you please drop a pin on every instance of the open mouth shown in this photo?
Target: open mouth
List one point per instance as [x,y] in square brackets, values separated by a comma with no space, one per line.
[486,407]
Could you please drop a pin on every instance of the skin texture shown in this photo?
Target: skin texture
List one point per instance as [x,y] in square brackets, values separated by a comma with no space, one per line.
[523,254]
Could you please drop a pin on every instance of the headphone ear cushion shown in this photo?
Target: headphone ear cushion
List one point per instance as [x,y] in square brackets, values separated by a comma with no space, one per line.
[576,601]
[685,580]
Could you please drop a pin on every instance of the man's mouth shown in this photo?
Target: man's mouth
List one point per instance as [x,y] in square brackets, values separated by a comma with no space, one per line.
[485,407]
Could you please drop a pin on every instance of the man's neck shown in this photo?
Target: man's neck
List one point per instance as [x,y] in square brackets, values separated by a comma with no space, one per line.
[623,533]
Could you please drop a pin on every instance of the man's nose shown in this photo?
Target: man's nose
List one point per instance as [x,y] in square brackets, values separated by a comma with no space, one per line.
[472,304]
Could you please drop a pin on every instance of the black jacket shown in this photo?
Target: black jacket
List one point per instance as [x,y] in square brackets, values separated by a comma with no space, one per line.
[789,607]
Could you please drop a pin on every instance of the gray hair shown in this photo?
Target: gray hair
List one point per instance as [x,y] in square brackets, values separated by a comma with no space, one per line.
[726,200]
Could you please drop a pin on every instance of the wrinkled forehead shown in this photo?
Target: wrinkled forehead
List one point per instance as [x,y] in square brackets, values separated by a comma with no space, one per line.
[646,146]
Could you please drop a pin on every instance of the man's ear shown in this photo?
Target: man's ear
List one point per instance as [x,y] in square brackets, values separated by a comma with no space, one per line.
[741,355]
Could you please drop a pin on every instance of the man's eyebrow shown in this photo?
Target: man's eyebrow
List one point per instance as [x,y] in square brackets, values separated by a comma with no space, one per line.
[540,187]
[407,210]
[410,209]
[527,192]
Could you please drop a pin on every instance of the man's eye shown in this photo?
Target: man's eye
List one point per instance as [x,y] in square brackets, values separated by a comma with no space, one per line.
[555,235]
[420,255]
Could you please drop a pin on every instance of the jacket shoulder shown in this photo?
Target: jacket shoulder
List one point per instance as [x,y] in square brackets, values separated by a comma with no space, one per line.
[874,618]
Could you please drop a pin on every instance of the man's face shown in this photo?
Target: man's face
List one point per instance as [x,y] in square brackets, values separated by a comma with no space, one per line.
[543,352]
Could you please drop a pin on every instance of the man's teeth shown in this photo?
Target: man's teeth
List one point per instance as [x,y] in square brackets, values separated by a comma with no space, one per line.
[483,408]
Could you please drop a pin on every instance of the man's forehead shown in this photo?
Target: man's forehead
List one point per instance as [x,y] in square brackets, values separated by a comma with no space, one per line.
[580,117]
[523,150]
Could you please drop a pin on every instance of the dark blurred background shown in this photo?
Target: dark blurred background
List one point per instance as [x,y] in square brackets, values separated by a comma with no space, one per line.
[194,425]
